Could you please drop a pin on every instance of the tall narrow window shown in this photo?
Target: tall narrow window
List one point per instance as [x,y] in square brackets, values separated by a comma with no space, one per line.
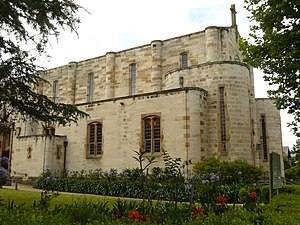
[151,134]
[264,137]
[90,95]
[58,151]
[94,139]
[184,60]
[55,91]
[132,79]
[222,118]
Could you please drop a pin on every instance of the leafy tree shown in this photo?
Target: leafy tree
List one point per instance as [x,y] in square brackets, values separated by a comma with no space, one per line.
[274,47]
[292,165]
[25,29]
[287,163]
[295,152]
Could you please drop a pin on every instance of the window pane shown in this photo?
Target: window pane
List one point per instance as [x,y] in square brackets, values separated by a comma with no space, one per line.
[147,129]
[91,87]
[99,148]
[132,79]
[99,138]
[264,137]
[222,117]
[92,149]
[92,139]
[184,60]
[55,91]
[157,145]
[148,146]
[156,127]
[92,133]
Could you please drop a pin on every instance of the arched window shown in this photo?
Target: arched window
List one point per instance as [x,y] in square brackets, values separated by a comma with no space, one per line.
[184,60]
[90,95]
[94,139]
[55,91]
[132,79]
[151,142]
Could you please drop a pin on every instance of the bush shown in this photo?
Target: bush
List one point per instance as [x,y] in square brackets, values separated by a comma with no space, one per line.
[237,171]
[293,173]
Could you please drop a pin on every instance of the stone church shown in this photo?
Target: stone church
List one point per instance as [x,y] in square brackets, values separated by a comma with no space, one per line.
[191,95]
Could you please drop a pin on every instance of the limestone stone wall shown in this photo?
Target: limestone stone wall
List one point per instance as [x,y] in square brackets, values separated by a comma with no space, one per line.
[182,113]
[234,77]
[34,154]
[267,108]
[154,61]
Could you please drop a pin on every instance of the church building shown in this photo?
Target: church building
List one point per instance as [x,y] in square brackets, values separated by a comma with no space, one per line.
[192,96]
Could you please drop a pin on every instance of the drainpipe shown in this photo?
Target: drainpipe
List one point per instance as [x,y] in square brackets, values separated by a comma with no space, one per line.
[11,146]
[65,153]
[186,133]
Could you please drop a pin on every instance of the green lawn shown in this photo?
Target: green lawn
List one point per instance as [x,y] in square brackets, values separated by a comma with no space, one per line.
[28,197]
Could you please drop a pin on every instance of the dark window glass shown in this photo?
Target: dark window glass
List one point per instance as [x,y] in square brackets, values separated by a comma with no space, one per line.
[264,137]
[222,118]
[133,79]
[95,139]
[55,91]
[152,136]
[184,60]
[90,96]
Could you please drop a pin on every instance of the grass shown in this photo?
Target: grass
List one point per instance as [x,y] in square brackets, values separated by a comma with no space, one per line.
[29,197]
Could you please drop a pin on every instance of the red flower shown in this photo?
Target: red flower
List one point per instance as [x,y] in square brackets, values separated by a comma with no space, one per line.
[118,214]
[134,215]
[253,195]
[222,200]
[143,218]
[197,212]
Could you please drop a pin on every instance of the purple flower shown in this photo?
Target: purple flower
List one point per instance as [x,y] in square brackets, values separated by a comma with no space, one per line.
[205,181]
[3,172]
[214,177]
[5,160]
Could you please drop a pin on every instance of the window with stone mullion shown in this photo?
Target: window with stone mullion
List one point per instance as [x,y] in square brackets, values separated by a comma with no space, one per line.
[95,139]
[152,137]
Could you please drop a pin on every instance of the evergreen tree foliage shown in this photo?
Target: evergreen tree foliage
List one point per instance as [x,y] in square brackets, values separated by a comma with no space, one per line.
[25,29]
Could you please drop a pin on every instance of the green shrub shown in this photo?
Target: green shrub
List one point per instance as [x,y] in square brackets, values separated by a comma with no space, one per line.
[228,172]
[293,173]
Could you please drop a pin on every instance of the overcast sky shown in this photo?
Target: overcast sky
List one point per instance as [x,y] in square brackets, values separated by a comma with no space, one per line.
[116,25]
